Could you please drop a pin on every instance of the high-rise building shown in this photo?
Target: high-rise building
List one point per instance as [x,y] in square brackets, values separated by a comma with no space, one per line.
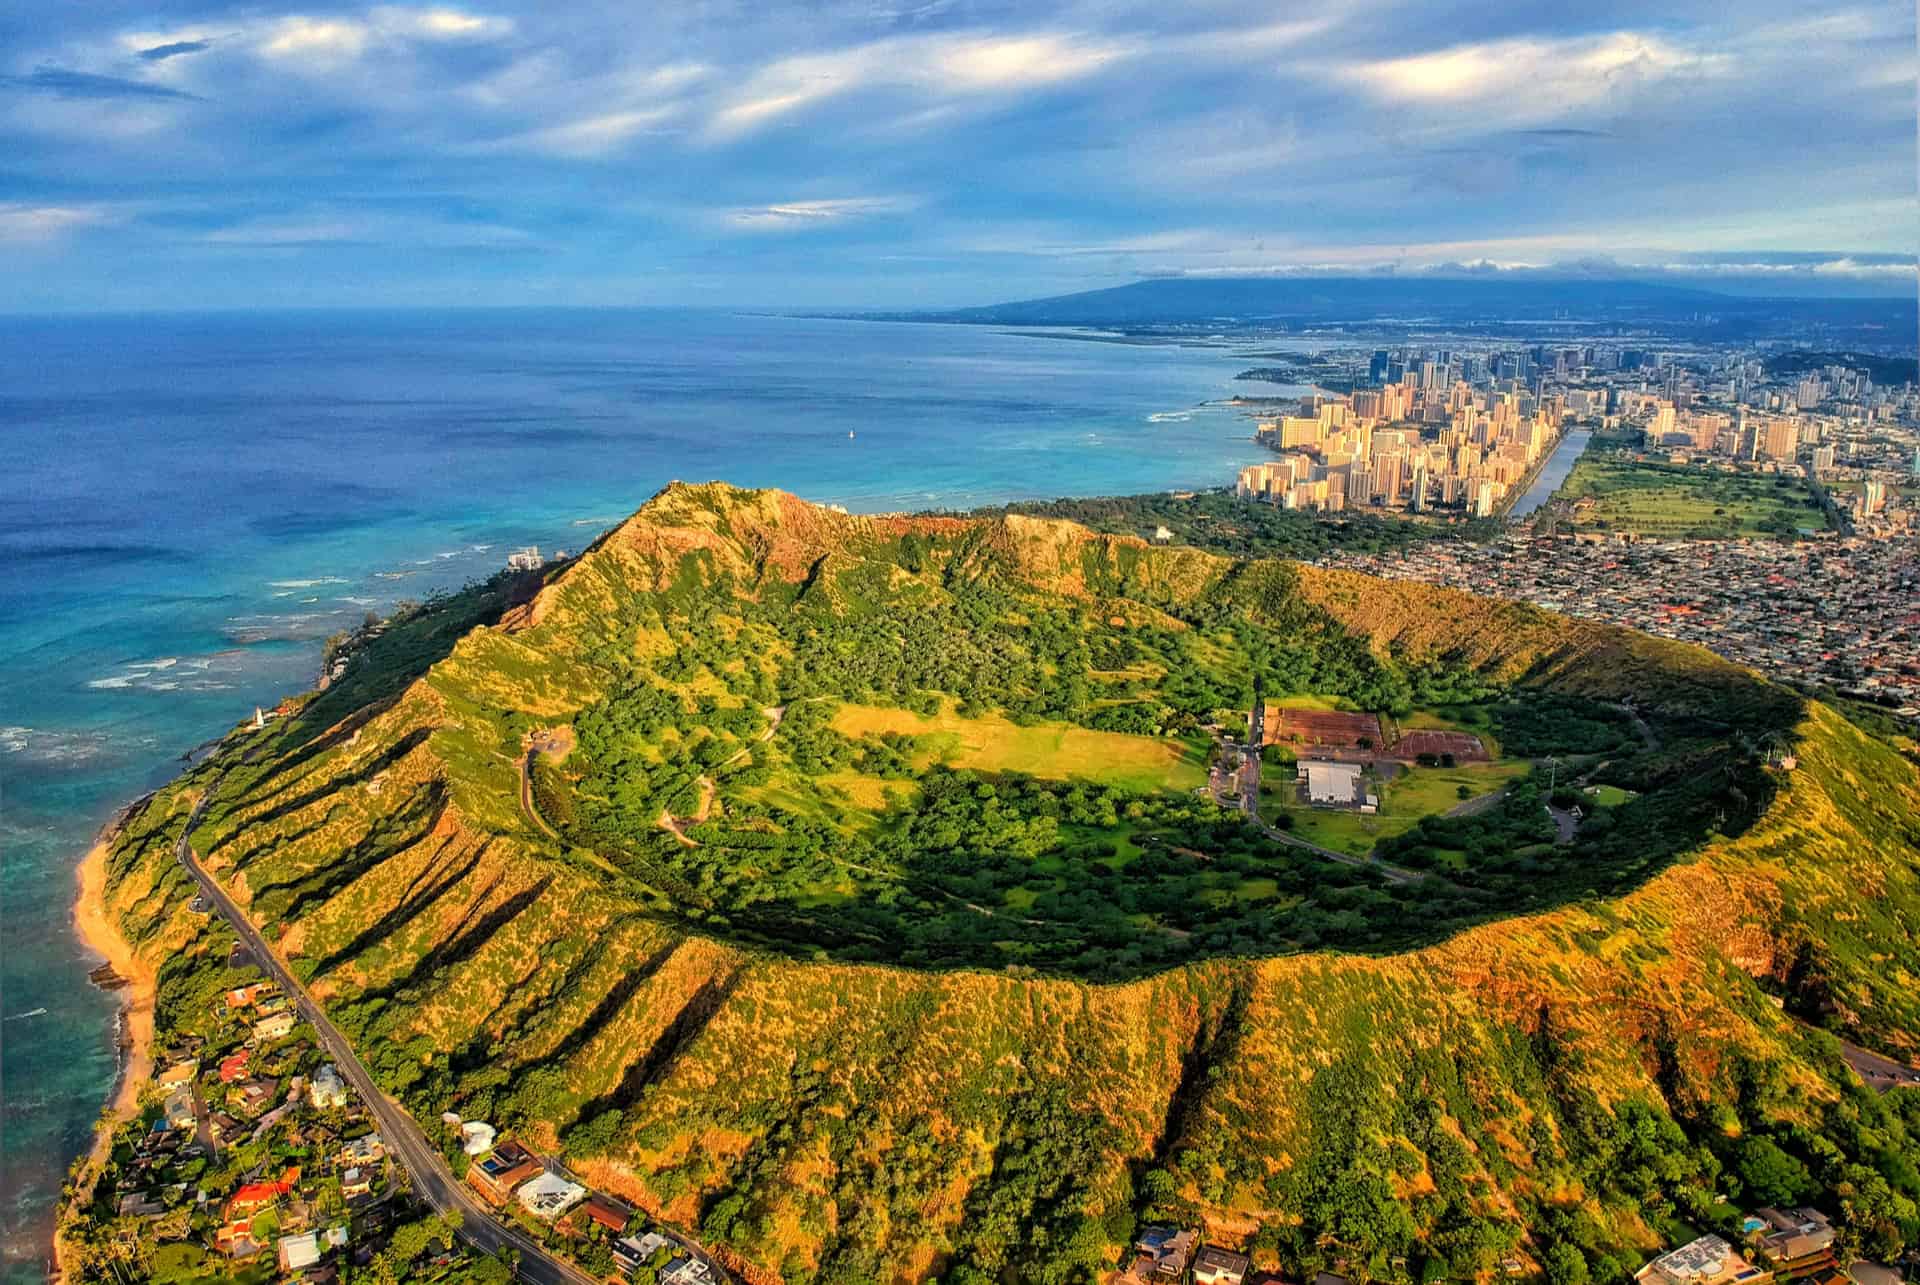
[1377,368]
[1386,478]
[1782,440]
[1662,423]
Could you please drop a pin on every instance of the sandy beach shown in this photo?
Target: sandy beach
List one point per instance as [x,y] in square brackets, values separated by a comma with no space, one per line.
[96,927]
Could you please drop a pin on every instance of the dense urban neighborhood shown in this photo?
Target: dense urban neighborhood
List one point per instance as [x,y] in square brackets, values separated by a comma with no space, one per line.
[1760,503]
[1842,614]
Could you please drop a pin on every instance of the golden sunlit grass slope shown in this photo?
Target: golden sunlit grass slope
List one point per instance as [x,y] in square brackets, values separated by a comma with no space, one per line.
[855,1122]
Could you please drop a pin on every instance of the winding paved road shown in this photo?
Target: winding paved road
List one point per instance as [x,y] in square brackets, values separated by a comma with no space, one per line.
[432,1180]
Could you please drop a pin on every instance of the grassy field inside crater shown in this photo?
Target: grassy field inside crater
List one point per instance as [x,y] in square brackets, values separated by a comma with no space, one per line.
[1053,750]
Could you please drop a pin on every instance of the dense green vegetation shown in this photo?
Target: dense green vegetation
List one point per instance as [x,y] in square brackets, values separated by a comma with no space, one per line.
[1223,522]
[802,838]
[800,744]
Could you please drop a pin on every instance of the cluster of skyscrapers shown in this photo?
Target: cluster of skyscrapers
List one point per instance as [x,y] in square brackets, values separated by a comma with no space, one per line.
[1457,432]
[1441,431]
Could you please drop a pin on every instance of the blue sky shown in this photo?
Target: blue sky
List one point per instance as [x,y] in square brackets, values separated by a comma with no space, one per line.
[877,154]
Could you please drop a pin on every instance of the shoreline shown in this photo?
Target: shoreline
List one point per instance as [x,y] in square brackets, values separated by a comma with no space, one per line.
[93,925]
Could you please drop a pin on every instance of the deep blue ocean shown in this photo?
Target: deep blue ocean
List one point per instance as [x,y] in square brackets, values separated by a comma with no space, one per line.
[188,505]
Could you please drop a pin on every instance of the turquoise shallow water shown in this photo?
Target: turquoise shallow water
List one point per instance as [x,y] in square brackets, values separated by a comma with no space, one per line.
[191,504]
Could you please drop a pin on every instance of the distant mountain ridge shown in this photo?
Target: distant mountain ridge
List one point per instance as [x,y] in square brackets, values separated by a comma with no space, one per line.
[1187,301]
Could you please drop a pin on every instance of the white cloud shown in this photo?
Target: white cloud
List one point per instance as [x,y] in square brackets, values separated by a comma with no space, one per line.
[934,65]
[1526,79]
[324,39]
[441,24]
[795,215]
[332,41]
[25,224]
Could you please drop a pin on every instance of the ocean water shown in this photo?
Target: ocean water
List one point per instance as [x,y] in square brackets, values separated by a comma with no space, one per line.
[188,505]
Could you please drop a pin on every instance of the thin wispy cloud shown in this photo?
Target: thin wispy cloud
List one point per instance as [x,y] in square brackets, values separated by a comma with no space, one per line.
[788,216]
[589,136]
[935,66]
[25,224]
[340,230]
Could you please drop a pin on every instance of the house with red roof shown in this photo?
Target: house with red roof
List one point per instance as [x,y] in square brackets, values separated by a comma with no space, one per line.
[255,1196]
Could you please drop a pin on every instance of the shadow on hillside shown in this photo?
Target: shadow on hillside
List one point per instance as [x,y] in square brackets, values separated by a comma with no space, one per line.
[385,661]
[1115,902]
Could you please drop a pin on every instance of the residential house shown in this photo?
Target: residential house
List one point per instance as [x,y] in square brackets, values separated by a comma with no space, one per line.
[255,1196]
[141,1204]
[630,1252]
[179,1108]
[1215,1266]
[476,1137]
[356,1182]
[1161,1254]
[179,1073]
[225,1128]
[606,1211]
[327,1089]
[234,1068]
[548,1195]
[235,1239]
[1794,1238]
[367,1149]
[1706,1261]
[684,1270]
[246,996]
[297,1253]
[250,1099]
[496,1175]
[277,1027]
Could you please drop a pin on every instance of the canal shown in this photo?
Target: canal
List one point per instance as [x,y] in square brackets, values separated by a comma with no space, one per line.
[1558,466]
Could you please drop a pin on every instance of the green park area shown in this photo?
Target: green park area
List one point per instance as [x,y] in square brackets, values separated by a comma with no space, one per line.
[1415,793]
[1675,501]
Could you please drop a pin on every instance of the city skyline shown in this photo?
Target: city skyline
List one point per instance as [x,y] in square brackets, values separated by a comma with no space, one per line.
[214,155]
